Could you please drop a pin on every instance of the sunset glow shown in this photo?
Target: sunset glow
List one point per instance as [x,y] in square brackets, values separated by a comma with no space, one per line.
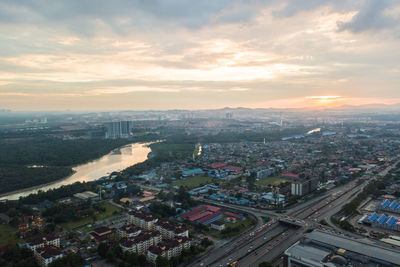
[215,55]
[327,100]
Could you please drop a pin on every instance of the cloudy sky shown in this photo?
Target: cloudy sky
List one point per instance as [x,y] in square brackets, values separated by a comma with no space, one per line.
[166,54]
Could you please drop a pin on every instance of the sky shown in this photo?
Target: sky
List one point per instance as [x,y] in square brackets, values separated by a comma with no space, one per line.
[184,54]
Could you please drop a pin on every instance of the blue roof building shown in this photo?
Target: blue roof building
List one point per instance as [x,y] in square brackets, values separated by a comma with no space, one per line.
[193,172]
[373,217]
[382,219]
[391,221]
[243,202]
[214,197]
[393,205]
[202,191]
[385,203]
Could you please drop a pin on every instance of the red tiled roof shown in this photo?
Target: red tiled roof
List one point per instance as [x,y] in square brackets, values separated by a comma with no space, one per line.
[198,216]
[213,208]
[200,212]
[290,175]
[191,213]
[218,165]
[208,217]
[233,168]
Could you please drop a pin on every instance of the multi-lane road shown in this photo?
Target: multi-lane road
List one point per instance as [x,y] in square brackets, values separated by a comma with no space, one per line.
[305,218]
[266,242]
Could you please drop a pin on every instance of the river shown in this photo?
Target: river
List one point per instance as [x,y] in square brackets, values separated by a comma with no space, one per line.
[116,160]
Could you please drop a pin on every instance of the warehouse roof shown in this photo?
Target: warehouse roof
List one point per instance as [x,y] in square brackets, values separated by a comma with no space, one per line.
[357,246]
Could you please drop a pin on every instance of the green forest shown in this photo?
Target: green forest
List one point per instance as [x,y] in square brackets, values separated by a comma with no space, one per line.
[55,156]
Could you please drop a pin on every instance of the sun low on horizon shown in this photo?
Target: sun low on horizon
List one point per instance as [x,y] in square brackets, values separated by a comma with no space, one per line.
[325,100]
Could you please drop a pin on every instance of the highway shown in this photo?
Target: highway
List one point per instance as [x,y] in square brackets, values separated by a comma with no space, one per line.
[270,251]
[272,240]
[269,242]
[310,217]
[230,252]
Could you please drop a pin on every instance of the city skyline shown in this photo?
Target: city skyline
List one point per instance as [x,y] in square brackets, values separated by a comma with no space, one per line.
[86,55]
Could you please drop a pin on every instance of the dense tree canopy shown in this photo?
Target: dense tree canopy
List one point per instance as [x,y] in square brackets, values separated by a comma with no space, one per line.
[54,156]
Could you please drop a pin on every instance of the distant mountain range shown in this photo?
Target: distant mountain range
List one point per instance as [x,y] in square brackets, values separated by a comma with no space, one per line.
[343,108]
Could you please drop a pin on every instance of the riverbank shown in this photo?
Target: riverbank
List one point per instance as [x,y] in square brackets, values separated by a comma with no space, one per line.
[54,156]
[4,195]
[116,160]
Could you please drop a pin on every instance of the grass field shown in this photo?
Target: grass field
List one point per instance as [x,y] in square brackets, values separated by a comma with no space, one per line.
[246,224]
[7,235]
[273,180]
[110,209]
[242,226]
[194,181]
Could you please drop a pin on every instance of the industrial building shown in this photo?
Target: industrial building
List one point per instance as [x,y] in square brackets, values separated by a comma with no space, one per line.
[84,196]
[389,206]
[384,221]
[204,215]
[323,249]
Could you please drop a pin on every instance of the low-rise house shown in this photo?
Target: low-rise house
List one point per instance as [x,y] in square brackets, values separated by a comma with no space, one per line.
[85,196]
[218,225]
[203,189]
[38,222]
[121,187]
[273,198]
[101,234]
[23,228]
